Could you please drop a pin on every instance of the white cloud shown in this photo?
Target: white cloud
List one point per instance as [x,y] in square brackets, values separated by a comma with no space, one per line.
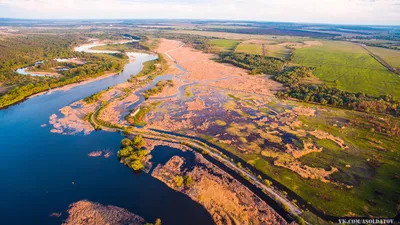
[324,11]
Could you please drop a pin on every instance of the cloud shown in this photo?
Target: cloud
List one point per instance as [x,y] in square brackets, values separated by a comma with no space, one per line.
[318,11]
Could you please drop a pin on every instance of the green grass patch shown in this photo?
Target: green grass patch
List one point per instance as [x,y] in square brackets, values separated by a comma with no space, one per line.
[224,44]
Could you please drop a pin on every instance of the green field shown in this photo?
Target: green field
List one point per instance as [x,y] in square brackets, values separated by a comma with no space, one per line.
[270,50]
[349,67]
[392,57]
[223,44]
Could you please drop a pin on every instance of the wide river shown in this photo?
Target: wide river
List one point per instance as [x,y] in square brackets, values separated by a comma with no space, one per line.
[42,172]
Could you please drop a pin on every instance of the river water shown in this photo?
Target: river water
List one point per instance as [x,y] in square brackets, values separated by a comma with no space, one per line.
[42,172]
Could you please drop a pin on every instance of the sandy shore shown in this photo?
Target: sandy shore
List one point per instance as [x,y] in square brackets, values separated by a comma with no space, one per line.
[55,74]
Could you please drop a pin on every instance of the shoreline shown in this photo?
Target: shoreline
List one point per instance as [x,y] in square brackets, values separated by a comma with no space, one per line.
[70,86]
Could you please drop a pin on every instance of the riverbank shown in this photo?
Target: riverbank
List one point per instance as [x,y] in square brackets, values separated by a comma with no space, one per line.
[70,86]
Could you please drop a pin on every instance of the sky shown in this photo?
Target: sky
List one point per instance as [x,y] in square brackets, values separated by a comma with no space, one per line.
[380,12]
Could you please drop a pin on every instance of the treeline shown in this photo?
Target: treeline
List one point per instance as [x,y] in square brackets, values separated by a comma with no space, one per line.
[293,78]
[335,97]
[254,63]
[273,31]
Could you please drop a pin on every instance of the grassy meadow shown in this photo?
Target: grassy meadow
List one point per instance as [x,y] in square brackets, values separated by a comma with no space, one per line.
[270,49]
[348,67]
[224,44]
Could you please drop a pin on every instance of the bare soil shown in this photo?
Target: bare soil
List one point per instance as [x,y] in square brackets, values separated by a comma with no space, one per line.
[91,213]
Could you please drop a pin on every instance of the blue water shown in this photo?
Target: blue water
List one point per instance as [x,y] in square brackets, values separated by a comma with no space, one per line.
[42,173]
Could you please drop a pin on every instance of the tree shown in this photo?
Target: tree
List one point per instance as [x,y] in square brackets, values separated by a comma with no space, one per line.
[126,142]
[125,152]
[137,165]
[139,142]
[158,221]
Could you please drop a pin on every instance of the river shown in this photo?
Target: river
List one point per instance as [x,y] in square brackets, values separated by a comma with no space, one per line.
[42,172]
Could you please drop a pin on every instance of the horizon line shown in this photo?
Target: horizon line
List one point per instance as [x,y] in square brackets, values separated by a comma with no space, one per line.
[227,20]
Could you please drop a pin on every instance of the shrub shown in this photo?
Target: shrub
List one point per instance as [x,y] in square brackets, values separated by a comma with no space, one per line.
[188,180]
[126,142]
[178,181]
[267,182]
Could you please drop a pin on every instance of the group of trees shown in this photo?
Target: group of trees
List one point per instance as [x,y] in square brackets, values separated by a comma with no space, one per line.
[256,64]
[132,153]
[293,76]
[158,88]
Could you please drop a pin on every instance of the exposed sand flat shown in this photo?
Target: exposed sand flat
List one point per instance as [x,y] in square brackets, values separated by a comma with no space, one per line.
[249,84]
[227,200]
[91,213]
[165,47]
[201,67]
[2,88]
[53,74]
[73,121]
[71,60]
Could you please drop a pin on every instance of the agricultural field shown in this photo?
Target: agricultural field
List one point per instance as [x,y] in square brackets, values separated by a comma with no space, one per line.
[223,44]
[273,50]
[349,67]
[391,56]
[233,36]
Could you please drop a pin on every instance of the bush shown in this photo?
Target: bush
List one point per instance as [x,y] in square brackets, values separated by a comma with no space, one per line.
[188,180]
[126,142]
[285,207]
[300,220]
[137,165]
[178,181]
[267,182]
[139,142]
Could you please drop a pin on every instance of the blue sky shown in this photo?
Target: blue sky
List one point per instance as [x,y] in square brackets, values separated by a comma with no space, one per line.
[315,11]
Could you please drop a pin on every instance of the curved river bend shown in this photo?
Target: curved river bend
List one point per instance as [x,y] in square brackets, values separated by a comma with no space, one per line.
[42,173]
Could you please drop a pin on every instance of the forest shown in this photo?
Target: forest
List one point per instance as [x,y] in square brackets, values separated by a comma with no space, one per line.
[256,64]
[23,51]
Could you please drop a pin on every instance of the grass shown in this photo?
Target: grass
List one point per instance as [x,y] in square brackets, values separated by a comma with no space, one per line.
[271,50]
[148,67]
[223,44]
[349,67]
[392,57]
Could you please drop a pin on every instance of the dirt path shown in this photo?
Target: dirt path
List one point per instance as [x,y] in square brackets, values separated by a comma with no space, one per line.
[380,60]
